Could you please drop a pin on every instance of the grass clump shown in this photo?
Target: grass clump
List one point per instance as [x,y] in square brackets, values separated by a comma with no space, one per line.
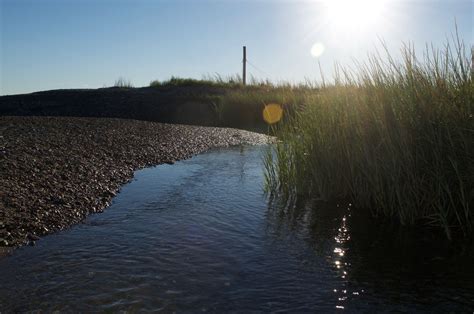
[244,107]
[396,137]
[123,83]
[207,81]
[236,105]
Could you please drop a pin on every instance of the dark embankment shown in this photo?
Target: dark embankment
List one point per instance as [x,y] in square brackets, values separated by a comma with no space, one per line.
[166,104]
[57,170]
[199,104]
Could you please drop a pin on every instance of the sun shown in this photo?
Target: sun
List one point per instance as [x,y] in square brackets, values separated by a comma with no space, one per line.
[354,15]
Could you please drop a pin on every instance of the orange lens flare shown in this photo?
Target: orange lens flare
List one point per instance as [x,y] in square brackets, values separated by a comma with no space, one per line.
[272,113]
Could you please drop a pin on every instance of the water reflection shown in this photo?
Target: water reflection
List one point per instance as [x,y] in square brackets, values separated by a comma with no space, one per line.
[339,261]
[376,263]
[200,235]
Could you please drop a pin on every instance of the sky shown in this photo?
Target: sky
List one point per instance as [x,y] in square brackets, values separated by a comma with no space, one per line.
[57,44]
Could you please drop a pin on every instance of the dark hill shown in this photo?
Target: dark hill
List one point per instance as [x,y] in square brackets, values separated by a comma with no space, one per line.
[169,104]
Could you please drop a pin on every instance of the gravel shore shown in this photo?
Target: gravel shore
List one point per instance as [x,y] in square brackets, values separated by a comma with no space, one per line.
[56,171]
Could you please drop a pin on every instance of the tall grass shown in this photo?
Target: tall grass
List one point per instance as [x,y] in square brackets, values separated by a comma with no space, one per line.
[244,107]
[394,136]
[234,104]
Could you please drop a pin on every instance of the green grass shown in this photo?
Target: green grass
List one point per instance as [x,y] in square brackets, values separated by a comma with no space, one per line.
[394,137]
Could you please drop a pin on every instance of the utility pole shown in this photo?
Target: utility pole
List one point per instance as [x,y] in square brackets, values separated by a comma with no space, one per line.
[244,70]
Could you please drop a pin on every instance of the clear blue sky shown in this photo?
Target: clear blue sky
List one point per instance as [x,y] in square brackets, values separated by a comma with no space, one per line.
[52,44]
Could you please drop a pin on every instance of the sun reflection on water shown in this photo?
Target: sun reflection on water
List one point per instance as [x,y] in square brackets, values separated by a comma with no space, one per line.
[339,259]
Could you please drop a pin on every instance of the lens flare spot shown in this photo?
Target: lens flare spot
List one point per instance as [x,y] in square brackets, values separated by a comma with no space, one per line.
[272,113]
[317,50]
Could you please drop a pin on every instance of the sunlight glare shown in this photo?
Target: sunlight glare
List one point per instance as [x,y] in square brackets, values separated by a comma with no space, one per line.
[317,50]
[354,15]
[272,113]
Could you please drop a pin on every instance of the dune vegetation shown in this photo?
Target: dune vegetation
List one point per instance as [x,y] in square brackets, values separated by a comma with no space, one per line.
[122,82]
[207,81]
[393,136]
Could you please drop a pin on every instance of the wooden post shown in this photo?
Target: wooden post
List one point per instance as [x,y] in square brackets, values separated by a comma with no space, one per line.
[472,60]
[244,70]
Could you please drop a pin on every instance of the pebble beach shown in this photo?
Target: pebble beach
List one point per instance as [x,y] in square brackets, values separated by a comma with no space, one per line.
[57,170]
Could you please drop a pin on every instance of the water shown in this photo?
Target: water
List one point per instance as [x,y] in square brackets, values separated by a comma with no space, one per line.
[200,236]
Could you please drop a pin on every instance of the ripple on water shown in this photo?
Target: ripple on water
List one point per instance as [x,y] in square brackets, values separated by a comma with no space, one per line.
[200,235]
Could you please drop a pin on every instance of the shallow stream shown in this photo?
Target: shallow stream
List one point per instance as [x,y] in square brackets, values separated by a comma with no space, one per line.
[200,235]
